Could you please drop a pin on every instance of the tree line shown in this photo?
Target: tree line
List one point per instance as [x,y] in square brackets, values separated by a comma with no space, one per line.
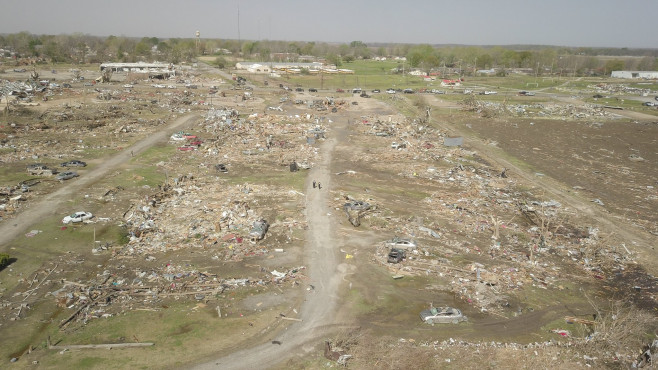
[79,48]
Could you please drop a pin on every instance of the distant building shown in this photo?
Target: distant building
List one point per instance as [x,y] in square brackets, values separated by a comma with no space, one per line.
[647,75]
[154,70]
[134,67]
[486,71]
[288,67]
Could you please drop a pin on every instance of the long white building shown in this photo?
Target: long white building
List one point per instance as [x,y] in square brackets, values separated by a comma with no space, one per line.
[647,75]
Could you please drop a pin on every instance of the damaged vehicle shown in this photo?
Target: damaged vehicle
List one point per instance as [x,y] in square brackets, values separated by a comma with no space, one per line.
[258,230]
[40,169]
[74,163]
[442,315]
[66,175]
[402,243]
[396,255]
[77,217]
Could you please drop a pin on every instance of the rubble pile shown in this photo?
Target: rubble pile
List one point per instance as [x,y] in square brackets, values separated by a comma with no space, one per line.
[620,89]
[507,240]
[261,137]
[194,213]
[114,292]
[569,351]
[110,294]
[544,110]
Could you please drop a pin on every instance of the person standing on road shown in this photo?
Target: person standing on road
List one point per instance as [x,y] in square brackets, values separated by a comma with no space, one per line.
[319,185]
[313,184]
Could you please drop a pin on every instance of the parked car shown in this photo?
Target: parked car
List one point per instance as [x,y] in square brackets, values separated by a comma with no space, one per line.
[340,90]
[376,91]
[408,91]
[402,243]
[649,104]
[442,315]
[391,91]
[656,97]
[74,163]
[67,175]
[396,255]
[77,217]
[312,90]
[597,96]
[299,89]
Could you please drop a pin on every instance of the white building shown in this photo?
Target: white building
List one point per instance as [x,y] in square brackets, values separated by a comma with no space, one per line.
[288,67]
[650,75]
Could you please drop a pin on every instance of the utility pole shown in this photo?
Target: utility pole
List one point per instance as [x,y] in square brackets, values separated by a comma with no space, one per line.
[239,41]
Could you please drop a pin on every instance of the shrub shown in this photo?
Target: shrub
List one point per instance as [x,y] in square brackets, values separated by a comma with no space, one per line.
[4,260]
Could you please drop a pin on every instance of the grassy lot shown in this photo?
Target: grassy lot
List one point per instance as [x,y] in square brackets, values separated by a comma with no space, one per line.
[182,332]
[371,74]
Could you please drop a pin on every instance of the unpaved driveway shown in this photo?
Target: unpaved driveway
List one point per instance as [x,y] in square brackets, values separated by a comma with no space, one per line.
[325,275]
[12,228]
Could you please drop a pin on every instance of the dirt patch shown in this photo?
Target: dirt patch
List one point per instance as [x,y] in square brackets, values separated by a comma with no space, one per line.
[611,161]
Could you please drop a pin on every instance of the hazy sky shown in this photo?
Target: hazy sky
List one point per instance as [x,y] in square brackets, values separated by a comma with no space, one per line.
[612,23]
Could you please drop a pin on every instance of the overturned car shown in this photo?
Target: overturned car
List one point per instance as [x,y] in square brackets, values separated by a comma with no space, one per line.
[258,230]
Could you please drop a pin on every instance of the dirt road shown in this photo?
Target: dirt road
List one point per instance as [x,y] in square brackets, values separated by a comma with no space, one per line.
[49,205]
[325,275]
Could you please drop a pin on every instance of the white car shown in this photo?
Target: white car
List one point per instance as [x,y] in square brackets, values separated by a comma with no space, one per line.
[77,217]
[402,243]
[442,315]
